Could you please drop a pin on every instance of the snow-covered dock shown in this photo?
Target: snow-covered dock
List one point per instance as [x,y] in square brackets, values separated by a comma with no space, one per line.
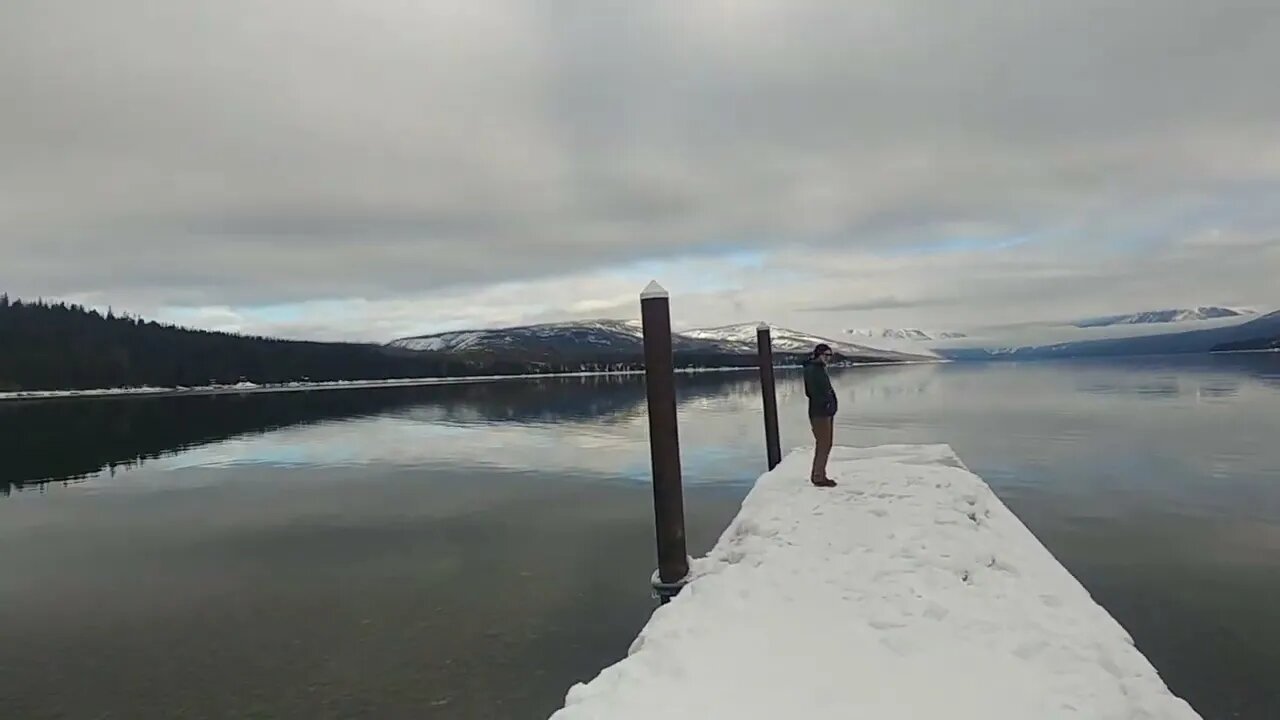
[908,591]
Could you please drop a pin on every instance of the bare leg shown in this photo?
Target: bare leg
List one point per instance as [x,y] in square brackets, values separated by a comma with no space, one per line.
[823,435]
[824,445]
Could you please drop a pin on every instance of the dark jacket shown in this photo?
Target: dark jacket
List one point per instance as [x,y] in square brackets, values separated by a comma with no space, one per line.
[817,387]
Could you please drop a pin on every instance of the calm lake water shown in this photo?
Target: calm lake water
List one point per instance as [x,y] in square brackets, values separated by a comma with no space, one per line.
[472,551]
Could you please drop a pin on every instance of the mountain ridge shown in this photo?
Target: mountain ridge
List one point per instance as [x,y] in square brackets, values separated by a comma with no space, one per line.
[1253,334]
[787,340]
[1156,317]
[606,339]
[912,334]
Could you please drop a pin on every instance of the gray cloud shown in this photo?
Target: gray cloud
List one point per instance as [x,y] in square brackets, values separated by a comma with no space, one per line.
[204,152]
[887,302]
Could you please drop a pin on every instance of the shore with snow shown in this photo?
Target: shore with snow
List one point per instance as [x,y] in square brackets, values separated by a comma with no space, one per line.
[232,389]
[909,591]
[249,388]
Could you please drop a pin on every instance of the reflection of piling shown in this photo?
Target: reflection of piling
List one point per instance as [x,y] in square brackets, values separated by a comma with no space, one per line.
[768,389]
[664,442]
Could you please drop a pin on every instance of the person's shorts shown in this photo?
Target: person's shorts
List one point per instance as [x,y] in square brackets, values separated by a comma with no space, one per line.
[821,411]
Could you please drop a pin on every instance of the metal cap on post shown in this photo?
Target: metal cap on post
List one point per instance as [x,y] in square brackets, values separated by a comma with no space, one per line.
[768,390]
[664,442]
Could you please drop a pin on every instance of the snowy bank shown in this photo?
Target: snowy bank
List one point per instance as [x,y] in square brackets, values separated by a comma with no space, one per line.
[909,591]
[249,388]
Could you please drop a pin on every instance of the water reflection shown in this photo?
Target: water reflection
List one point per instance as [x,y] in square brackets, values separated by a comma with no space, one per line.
[1222,388]
[566,423]
[470,551]
[59,441]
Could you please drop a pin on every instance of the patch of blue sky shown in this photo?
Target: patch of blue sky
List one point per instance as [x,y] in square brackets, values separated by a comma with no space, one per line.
[273,313]
[696,272]
[182,314]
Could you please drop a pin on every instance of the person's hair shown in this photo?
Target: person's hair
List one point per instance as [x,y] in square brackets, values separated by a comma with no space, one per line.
[821,348]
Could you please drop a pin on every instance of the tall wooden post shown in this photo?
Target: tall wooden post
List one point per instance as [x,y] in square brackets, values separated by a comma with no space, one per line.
[664,442]
[768,390]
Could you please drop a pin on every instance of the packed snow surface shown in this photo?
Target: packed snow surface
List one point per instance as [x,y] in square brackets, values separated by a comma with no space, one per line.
[908,591]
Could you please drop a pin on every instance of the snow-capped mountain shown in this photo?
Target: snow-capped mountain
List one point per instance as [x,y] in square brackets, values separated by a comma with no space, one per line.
[791,341]
[903,340]
[581,341]
[1176,315]
[608,340]
[910,334]
[611,334]
[1202,336]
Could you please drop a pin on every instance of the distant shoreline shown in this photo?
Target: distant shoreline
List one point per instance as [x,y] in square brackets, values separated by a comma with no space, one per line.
[255,389]
[1244,352]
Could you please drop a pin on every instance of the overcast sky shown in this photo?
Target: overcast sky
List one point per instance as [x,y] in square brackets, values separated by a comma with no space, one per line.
[367,169]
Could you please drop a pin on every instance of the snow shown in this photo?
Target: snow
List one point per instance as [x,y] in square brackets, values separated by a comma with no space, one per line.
[238,388]
[37,394]
[783,339]
[905,340]
[463,340]
[452,341]
[252,388]
[1007,339]
[733,339]
[1169,316]
[653,291]
[431,344]
[908,591]
[910,334]
[787,340]
[434,343]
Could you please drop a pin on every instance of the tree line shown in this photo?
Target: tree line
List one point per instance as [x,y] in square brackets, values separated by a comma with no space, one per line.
[46,346]
[60,346]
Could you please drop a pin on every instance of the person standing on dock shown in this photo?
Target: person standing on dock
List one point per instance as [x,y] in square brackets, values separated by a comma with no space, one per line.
[822,411]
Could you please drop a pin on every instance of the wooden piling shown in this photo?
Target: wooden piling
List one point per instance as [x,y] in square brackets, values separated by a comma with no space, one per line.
[664,442]
[768,390]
